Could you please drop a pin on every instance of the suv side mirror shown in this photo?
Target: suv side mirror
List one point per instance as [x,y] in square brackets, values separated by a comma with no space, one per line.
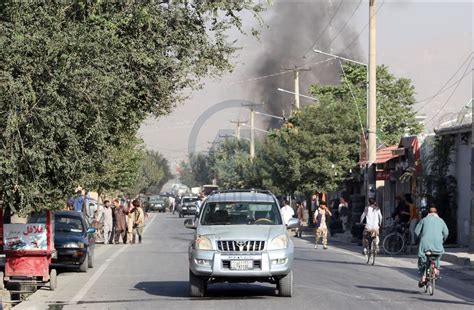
[189,223]
[292,223]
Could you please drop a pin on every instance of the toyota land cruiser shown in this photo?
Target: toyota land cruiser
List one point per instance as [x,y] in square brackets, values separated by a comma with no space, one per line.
[240,237]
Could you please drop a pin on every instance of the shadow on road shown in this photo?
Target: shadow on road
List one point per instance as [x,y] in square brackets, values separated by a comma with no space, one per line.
[424,298]
[180,289]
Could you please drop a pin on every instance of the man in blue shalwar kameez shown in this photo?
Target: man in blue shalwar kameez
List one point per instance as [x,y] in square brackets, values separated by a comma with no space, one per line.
[432,232]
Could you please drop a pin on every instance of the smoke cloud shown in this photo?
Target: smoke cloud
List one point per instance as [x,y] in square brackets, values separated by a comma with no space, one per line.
[294,27]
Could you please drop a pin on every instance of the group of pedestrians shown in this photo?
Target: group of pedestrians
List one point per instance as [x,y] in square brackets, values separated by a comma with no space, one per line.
[122,223]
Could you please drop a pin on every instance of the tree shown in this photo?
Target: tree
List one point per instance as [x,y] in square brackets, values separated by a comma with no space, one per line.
[152,174]
[315,149]
[395,100]
[77,79]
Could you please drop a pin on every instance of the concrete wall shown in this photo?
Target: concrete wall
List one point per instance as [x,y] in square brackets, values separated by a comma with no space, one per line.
[462,172]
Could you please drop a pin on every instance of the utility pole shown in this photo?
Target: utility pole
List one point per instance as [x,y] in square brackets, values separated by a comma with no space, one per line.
[372,109]
[252,132]
[252,129]
[296,74]
[239,125]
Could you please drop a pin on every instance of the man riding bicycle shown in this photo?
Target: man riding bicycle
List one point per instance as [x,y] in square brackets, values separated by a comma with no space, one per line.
[432,232]
[373,218]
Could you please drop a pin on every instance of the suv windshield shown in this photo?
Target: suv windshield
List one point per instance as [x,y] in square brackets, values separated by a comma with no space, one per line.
[191,199]
[241,213]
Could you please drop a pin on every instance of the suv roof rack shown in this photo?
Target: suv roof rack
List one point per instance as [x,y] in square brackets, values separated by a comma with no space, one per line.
[240,190]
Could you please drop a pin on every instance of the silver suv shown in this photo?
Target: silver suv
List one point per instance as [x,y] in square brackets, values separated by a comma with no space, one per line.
[240,237]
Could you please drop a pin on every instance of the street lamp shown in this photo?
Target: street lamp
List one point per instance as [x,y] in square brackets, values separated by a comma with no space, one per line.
[293,93]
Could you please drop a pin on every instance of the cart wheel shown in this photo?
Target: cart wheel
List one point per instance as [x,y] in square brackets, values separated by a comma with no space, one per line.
[2,284]
[53,279]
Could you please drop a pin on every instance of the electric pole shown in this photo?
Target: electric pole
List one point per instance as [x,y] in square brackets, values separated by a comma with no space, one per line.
[239,125]
[252,129]
[252,132]
[372,109]
[296,74]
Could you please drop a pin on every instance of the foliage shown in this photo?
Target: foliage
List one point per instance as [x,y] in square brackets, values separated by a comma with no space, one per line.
[315,149]
[395,100]
[441,186]
[153,172]
[78,77]
[195,172]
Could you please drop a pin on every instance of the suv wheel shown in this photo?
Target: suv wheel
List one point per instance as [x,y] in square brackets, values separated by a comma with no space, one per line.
[285,285]
[197,285]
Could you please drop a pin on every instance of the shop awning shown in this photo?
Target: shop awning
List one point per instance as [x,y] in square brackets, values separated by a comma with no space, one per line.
[385,154]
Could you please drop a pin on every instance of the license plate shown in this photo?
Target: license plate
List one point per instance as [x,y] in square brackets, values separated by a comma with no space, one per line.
[241,264]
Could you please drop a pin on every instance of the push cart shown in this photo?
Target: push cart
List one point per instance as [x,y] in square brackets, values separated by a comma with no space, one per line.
[28,250]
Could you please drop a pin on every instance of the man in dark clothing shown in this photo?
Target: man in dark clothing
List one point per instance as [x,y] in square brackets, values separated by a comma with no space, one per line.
[120,227]
[402,212]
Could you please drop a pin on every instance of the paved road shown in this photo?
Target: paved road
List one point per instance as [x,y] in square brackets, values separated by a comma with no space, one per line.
[154,275]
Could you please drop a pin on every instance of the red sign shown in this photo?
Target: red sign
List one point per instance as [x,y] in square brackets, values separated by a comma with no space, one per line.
[383,175]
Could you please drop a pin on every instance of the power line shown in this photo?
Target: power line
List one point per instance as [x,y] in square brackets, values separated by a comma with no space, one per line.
[275,74]
[447,82]
[355,101]
[446,89]
[363,29]
[449,98]
[324,29]
[343,27]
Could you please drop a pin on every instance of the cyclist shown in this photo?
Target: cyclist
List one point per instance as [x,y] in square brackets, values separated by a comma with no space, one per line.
[432,232]
[373,218]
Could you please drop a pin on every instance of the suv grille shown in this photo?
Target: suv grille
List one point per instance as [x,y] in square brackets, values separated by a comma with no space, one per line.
[240,245]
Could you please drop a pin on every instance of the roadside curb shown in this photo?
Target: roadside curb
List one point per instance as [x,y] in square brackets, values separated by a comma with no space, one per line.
[454,259]
[457,260]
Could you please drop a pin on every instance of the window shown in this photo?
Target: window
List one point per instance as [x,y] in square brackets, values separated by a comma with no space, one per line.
[241,213]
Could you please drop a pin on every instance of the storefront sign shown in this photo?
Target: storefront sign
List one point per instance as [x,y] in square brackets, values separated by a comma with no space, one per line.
[24,237]
[398,152]
[382,175]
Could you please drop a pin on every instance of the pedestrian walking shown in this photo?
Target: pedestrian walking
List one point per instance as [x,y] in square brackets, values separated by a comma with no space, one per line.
[300,214]
[320,220]
[343,210]
[120,226]
[130,221]
[108,222]
[139,221]
[413,217]
[287,212]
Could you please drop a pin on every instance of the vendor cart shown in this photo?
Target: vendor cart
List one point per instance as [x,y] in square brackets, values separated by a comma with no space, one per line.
[28,249]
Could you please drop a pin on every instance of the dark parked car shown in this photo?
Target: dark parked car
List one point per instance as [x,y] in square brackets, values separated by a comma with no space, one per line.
[187,206]
[74,240]
[156,203]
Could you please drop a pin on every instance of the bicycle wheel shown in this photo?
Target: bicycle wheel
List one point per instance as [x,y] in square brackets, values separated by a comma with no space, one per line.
[369,251]
[374,251]
[432,280]
[393,243]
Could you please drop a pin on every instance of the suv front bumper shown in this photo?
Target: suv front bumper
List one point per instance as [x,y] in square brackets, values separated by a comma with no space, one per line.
[217,264]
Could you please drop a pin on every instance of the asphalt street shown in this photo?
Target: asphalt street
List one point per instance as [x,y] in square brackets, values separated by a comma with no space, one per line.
[154,275]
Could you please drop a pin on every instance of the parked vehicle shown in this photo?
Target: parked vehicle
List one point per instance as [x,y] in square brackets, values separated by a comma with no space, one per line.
[240,237]
[187,206]
[74,240]
[156,203]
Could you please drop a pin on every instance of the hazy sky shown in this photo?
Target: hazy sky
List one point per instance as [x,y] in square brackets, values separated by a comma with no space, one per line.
[425,41]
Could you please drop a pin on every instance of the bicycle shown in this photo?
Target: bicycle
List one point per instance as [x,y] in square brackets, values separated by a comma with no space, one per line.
[372,247]
[395,241]
[430,272]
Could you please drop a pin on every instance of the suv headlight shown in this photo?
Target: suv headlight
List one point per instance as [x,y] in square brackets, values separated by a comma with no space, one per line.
[203,243]
[278,243]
